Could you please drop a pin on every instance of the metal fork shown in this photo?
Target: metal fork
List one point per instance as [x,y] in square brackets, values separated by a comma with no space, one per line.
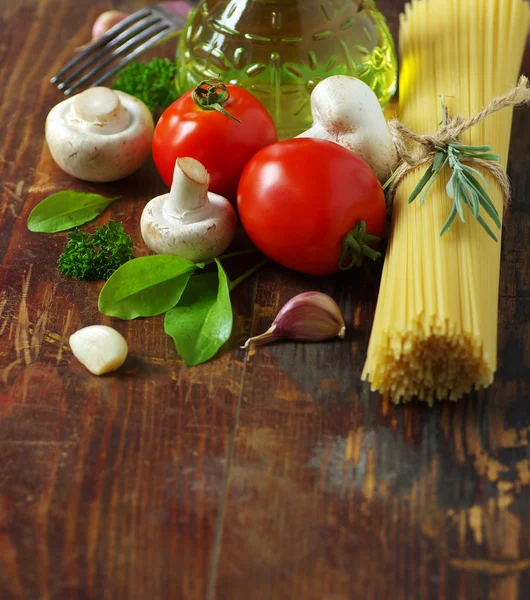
[129,38]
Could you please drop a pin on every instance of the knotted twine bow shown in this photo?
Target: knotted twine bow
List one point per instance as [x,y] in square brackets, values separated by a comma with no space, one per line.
[425,146]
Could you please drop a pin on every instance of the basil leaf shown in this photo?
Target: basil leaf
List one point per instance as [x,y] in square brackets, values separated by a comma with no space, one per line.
[66,210]
[202,320]
[145,286]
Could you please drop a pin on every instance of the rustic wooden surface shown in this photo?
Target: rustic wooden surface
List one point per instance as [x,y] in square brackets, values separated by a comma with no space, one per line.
[278,477]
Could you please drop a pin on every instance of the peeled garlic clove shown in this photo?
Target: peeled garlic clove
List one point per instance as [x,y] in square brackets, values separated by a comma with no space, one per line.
[308,317]
[99,348]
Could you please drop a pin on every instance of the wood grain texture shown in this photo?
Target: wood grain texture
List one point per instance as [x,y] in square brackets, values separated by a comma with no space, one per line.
[277,477]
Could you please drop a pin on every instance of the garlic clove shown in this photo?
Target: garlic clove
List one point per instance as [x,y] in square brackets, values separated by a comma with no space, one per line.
[308,317]
[99,348]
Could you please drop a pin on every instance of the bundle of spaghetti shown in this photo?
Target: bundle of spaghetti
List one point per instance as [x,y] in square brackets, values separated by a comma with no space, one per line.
[435,330]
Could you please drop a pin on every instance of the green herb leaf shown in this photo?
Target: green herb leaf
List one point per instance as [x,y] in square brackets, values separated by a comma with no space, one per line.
[487,156]
[202,320]
[463,186]
[145,286]
[66,210]
[422,183]
[458,203]
[450,219]
[95,255]
[485,201]
[492,212]
[470,170]
[153,83]
[483,152]
[470,149]
[487,228]
[471,198]
[450,187]
[440,160]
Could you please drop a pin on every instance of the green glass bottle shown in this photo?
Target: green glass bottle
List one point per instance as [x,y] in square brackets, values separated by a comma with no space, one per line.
[280,49]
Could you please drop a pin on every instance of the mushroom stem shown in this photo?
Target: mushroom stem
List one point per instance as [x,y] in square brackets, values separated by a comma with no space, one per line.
[189,221]
[188,198]
[101,111]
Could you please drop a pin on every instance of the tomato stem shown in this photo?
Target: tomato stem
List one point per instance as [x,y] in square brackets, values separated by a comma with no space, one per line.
[355,245]
[211,94]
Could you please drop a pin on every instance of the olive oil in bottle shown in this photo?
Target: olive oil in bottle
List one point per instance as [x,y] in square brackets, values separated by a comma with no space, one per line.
[280,49]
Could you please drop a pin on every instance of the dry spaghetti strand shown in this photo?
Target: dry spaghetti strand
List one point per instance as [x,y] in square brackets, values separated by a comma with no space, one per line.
[435,329]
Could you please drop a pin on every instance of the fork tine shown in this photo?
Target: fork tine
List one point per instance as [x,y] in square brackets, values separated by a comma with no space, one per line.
[148,33]
[118,28]
[144,24]
[125,61]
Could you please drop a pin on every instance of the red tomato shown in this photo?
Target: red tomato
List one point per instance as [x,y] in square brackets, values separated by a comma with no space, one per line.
[298,199]
[220,143]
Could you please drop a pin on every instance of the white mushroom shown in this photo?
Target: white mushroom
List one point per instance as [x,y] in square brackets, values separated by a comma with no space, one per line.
[99,348]
[345,110]
[189,221]
[100,134]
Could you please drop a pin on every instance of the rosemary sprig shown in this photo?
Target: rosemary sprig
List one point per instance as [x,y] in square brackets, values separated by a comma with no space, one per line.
[466,185]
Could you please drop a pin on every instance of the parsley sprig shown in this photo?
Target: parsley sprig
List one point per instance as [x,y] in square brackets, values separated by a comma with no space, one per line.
[153,83]
[96,255]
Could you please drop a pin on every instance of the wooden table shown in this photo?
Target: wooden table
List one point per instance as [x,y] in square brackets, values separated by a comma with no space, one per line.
[279,477]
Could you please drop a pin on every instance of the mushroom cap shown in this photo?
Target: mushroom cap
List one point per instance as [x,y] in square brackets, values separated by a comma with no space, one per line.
[196,240]
[100,135]
[346,110]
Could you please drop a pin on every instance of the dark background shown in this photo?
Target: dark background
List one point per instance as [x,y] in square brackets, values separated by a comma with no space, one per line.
[278,477]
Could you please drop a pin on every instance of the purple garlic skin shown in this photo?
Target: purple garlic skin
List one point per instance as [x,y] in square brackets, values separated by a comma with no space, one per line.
[109,18]
[102,24]
[308,317]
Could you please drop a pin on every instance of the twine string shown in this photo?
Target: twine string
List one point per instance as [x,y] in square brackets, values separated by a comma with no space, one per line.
[415,149]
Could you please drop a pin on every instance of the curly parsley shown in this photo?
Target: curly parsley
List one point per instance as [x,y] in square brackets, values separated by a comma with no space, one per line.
[153,83]
[95,255]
